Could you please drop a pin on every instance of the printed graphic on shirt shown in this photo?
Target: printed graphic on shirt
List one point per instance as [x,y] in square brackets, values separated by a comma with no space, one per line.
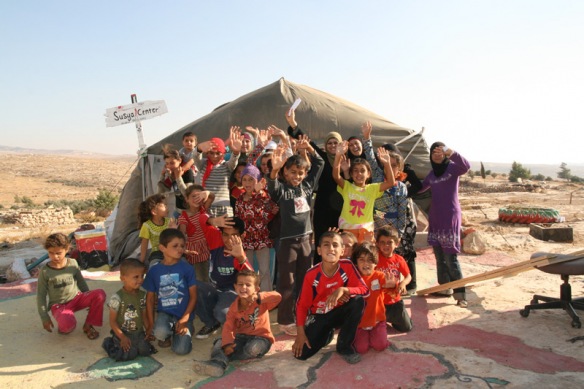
[169,294]
[301,205]
[130,318]
[61,282]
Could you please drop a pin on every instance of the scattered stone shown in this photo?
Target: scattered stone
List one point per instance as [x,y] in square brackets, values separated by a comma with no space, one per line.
[473,243]
[17,271]
[38,217]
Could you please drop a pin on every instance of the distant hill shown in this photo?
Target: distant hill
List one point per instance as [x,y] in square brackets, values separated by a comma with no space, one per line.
[547,170]
[73,153]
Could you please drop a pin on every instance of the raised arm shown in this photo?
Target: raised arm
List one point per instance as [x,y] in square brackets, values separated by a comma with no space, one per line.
[386,161]
[235,141]
[377,171]
[339,157]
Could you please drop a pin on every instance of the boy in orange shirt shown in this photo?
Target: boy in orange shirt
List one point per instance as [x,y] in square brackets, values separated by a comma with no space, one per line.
[246,332]
[387,239]
[372,331]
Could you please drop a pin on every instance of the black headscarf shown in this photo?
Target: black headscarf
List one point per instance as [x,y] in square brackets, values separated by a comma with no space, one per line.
[438,168]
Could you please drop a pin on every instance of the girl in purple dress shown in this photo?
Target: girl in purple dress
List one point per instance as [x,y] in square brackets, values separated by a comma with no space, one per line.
[445,214]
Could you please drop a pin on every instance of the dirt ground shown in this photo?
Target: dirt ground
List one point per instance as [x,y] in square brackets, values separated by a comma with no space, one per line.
[491,321]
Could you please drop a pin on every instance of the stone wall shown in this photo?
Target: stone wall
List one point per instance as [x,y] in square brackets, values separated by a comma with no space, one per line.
[38,217]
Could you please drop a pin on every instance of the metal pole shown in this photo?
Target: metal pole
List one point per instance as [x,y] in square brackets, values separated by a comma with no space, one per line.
[141,145]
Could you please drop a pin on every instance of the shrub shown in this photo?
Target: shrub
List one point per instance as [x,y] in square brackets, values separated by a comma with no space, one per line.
[538,177]
[518,171]
[105,200]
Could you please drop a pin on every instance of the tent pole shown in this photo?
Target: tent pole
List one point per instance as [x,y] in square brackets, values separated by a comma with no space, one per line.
[409,136]
[415,144]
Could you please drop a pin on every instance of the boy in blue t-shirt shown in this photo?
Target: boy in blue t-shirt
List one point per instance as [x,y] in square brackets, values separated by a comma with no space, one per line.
[226,260]
[173,282]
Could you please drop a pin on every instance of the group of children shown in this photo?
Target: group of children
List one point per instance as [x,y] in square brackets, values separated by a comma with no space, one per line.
[202,264]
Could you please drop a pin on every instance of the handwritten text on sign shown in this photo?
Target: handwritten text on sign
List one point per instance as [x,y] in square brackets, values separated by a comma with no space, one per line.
[125,114]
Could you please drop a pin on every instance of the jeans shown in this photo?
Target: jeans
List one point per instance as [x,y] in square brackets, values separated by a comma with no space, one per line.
[213,304]
[448,270]
[139,346]
[294,259]
[397,315]
[164,327]
[262,257]
[246,347]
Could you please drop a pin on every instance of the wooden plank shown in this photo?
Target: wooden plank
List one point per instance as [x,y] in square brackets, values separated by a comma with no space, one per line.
[510,270]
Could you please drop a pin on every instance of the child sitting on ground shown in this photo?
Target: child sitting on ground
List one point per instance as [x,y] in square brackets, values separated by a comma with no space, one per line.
[332,297]
[387,239]
[227,258]
[172,282]
[372,331]
[246,333]
[152,219]
[359,196]
[127,316]
[61,280]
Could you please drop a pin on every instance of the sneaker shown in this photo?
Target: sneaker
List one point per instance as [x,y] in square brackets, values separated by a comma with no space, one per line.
[289,329]
[462,303]
[446,292]
[164,343]
[351,358]
[206,331]
[208,368]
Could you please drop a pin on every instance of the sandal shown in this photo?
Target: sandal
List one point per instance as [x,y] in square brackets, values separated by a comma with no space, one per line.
[91,332]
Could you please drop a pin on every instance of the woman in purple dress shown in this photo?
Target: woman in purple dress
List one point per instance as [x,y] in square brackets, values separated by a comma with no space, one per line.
[445,215]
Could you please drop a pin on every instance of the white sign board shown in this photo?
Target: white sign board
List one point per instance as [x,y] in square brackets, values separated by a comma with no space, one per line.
[143,110]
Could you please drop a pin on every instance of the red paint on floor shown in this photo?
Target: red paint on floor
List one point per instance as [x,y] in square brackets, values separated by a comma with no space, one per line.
[379,370]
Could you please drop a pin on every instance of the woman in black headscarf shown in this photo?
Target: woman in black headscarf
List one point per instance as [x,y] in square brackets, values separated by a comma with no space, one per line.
[445,215]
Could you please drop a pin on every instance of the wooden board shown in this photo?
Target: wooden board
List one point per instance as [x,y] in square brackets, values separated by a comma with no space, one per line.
[506,271]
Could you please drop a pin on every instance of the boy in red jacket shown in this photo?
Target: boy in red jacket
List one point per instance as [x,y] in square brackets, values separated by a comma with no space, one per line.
[331,297]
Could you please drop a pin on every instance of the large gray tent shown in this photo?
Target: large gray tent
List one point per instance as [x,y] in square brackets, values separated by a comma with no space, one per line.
[318,114]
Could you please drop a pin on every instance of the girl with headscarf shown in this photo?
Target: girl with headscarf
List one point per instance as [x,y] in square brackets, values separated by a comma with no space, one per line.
[445,214]
[216,171]
[256,209]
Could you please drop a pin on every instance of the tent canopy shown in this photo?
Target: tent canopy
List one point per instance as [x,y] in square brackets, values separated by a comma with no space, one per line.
[318,114]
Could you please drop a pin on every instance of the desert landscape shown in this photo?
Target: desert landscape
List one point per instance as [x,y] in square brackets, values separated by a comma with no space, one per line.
[493,304]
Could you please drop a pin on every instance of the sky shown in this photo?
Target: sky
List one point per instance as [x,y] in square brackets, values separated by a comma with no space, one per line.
[498,80]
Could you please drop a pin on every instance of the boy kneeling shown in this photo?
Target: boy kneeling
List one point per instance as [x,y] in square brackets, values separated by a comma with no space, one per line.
[246,332]
[331,297]
[127,315]
[173,281]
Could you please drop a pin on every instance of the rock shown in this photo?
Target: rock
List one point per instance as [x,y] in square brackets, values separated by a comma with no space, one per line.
[17,271]
[473,243]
